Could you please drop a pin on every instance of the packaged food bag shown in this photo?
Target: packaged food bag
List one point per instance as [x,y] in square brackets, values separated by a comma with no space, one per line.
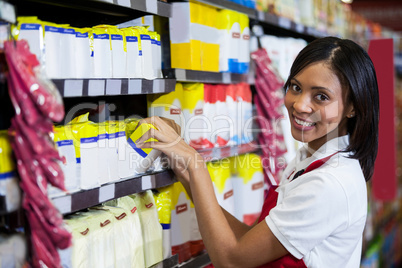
[147,56]
[209,113]
[65,147]
[80,254]
[181,223]
[119,55]
[85,138]
[52,53]
[167,105]
[244,46]
[151,228]
[111,150]
[133,52]
[123,243]
[232,108]
[163,201]
[82,54]
[223,121]
[102,51]
[184,45]
[142,159]
[197,127]
[196,243]
[67,51]
[103,154]
[135,230]
[123,151]
[248,184]
[220,176]
[205,30]
[245,113]
[9,189]
[101,224]
[31,30]
[230,33]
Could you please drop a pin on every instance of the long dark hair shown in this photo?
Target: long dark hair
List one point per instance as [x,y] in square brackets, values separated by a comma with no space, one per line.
[355,71]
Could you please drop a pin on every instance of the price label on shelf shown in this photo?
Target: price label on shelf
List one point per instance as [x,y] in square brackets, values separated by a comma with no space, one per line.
[63,204]
[106,192]
[284,23]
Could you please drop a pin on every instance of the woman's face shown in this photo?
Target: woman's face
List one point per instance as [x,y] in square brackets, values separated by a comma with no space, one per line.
[317,105]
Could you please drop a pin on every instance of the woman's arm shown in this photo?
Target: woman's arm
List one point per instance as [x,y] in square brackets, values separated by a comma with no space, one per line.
[229,244]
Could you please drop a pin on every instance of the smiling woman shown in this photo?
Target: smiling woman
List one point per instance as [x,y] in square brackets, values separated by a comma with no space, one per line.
[316,216]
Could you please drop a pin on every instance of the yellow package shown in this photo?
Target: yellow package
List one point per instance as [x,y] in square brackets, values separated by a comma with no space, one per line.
[168,105]
[142,158]
[163,202]
[7,163]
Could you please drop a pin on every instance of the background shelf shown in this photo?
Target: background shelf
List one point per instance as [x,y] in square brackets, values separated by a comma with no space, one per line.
[87,198]
[183,75]
[112,87]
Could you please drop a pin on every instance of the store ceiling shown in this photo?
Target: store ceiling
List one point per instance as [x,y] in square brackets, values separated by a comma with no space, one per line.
[387,13]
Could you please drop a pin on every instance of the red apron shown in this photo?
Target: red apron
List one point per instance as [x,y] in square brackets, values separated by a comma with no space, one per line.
[287,261]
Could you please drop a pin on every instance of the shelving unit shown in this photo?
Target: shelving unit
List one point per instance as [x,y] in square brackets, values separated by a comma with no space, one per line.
[73,202]
[112,87]
[183,75]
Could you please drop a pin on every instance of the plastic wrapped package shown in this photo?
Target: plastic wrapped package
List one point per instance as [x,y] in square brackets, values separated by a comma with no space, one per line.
[102,248]
[223,121]
[65,147]
[80,255]
[168,105]
[137,256]
[151,228]
[13,250]
[142,159]
[111,151]
[123,243]
[181,223]
[9,189]
[102,51]
[220,176]
[196,126]
[248,185]
[163,201]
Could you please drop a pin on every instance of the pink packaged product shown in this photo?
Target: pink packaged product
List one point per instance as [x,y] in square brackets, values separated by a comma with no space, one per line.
[269,102]
[37,103]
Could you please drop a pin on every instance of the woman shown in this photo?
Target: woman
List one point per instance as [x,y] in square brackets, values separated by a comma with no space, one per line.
[316,216]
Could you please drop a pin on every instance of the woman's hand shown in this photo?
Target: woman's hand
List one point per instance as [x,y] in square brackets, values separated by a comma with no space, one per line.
[179,154]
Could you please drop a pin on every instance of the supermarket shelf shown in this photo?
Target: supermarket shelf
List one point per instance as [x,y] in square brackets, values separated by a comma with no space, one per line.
[213,154]
[150,6]
[288,24]
[7,12]
[87,13]
[168,263]
[112,87]
[87,198]
[250,12]
[205,77]
[199,261]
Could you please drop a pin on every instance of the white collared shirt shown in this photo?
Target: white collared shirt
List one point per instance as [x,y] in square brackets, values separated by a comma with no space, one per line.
[320,216]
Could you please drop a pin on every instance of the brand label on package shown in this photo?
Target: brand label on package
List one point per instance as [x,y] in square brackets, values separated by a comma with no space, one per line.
[30,26]
[181,208]
[131,39]
[117,37]
[64,143]
[101,36]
